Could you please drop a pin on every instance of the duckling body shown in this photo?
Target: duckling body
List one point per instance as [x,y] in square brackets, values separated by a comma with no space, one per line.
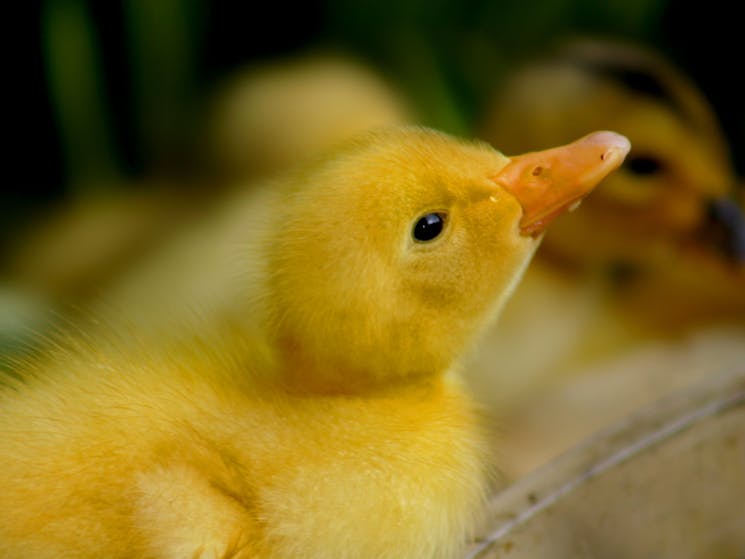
[331,421]
[138,462]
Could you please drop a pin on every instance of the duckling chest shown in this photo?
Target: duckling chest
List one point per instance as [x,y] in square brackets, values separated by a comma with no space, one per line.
[377,480]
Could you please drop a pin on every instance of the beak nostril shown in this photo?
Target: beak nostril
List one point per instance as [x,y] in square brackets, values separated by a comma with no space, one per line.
[537,171]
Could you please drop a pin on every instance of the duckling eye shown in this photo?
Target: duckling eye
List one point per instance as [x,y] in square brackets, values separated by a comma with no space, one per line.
[429,226]
[643,165]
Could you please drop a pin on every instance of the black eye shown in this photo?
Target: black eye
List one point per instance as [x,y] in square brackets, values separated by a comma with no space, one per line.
[429,227]
[643,165]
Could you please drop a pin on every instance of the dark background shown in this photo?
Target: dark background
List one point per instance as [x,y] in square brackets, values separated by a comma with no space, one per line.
[149,66]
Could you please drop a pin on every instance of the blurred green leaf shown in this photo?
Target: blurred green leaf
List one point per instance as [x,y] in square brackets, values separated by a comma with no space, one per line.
[164,48]
[73,69]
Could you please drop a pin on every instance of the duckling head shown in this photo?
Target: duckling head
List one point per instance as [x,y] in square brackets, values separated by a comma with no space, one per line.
[388,257]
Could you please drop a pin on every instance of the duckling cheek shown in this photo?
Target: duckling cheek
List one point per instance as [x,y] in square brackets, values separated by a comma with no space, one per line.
[499,248]
[497,219]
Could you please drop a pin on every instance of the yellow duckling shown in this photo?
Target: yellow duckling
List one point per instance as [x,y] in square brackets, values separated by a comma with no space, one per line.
[633,295]
[335,428]
[659,200]
[268,117]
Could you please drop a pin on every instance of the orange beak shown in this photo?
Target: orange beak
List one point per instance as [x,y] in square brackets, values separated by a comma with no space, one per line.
[548,183]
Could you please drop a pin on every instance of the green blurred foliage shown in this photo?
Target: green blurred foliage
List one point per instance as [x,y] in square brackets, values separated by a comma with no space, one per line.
[448,55]
[445,55]
[123,84]
[74,76]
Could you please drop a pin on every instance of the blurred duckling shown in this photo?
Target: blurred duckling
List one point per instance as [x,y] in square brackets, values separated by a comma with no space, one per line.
[337,427]
[650,271]
[259,121]
[270,116]
[680,164]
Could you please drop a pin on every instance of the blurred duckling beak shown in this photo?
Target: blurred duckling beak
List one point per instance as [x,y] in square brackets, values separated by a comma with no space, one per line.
[550,182]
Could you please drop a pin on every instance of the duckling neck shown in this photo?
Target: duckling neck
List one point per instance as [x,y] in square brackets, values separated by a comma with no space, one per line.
[301,375]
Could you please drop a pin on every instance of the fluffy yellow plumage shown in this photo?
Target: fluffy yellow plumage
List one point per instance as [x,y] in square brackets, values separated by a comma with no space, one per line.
[324,421]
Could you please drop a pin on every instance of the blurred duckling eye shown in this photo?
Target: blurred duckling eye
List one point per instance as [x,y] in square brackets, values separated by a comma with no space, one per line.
[429,226]
[643,165]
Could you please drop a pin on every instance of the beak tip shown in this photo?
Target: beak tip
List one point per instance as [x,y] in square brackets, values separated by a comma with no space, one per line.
[616,146]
